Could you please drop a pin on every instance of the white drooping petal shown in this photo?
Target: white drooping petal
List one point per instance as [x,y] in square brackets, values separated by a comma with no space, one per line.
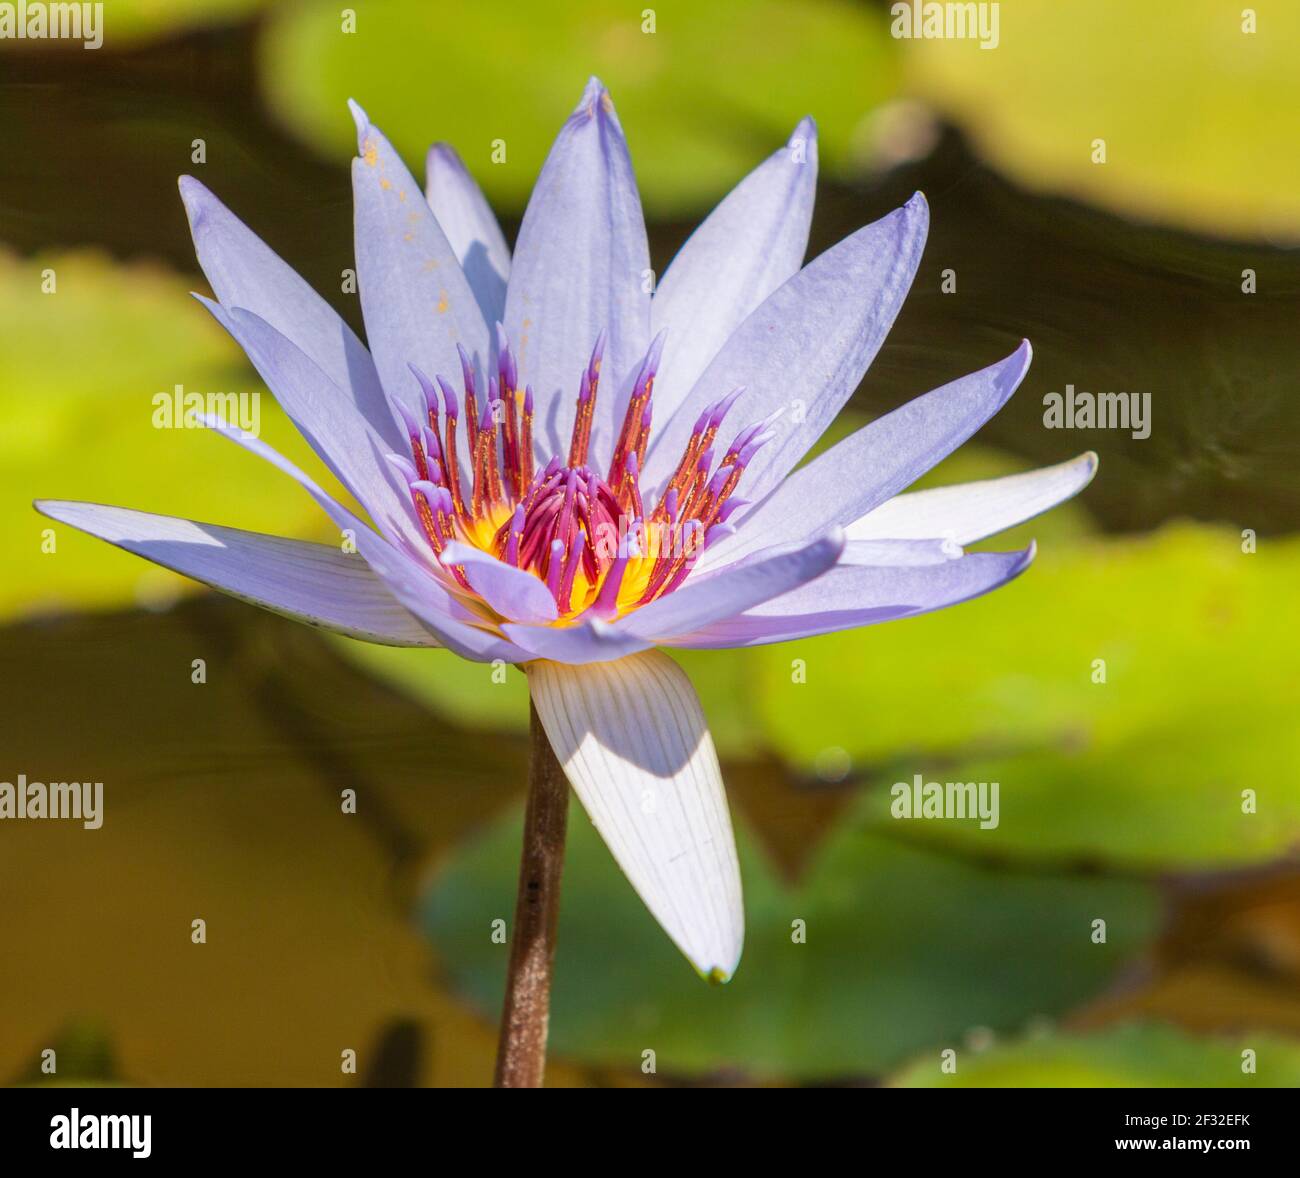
[633,742]
[967,512]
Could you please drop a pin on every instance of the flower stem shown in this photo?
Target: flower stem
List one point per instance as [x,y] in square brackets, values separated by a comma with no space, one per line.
[521,1054]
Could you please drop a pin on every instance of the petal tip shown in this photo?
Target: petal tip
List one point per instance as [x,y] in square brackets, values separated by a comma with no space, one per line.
[596,103]
[195,197]
[360,118]
[915,215]
[443,154]
[1014,367]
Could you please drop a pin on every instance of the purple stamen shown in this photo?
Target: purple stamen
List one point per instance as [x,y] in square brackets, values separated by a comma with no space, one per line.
[721,408]
[451,406]
[564,600]
[554,568]
[516,534]
[466,371]
[730,507]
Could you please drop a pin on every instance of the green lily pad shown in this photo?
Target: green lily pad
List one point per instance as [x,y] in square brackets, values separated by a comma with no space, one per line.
[1191,106]
[82,367]
[464,73]
[905,949]
[1134,1056]
[1146,768]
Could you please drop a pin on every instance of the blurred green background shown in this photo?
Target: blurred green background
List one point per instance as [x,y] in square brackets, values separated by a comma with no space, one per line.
[1121,800]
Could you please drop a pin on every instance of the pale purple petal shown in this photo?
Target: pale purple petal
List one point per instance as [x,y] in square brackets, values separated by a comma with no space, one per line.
[345,441]
[747,247]
[899,553]
[634,744]
[877,461]
[512,592]
[852,595]
[414,585]
[804,350]
[416,300]
[310,583]
[591,641]
[971,511]
[581,266]
[699,603]
[245,272]
[471,228]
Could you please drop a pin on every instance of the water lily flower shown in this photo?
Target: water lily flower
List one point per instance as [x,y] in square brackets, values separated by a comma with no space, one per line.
[568,470]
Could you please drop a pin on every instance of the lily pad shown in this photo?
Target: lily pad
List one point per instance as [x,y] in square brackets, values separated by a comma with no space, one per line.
[1194,106]
[464,73]
[1147,767]
[904,949]
[83,364]
[1134,1056]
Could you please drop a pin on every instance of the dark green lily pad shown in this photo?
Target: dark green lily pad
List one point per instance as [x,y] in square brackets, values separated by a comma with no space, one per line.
[1134,1056]
[905,949]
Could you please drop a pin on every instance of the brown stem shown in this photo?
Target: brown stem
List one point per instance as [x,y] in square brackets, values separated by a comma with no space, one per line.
[521,1054]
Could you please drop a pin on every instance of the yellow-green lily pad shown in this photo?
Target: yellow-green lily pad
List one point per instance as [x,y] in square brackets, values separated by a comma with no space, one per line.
[1124,693]
[490,81]
[87,347]
[1192,104]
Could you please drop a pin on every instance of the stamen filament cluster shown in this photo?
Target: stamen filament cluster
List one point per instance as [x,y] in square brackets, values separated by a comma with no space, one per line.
[587,538]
